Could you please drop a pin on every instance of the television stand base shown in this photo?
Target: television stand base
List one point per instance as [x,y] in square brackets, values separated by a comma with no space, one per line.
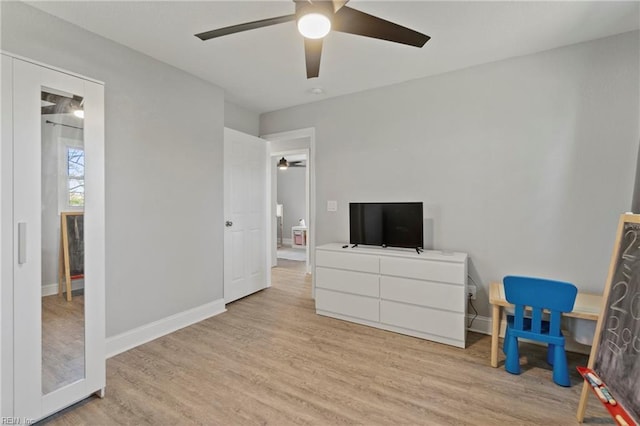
[419,250]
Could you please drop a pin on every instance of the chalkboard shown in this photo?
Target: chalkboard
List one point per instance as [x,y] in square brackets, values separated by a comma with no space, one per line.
[71,265]
[615,353]
[75,238]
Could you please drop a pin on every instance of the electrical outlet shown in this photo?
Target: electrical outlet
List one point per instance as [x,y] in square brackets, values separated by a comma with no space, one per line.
[471,291]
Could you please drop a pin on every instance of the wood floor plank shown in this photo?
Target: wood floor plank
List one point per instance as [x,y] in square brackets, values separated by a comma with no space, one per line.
[62,341]
[270,360]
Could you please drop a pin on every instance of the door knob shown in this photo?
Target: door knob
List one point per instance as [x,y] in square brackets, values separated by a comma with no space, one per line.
[228,223]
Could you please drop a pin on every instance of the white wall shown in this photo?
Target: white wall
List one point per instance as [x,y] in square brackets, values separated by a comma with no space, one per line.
[241,119]
[289,144]
[164,141]
[50,218]
[291,194]
[525,163]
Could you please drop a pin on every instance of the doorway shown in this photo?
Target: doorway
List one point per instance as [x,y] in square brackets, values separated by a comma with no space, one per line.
[292,216]
[293,143]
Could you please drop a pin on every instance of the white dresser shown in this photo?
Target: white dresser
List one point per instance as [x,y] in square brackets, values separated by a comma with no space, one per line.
[422,295]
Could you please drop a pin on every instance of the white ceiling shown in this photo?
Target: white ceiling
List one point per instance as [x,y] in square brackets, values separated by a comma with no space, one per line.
[264,69]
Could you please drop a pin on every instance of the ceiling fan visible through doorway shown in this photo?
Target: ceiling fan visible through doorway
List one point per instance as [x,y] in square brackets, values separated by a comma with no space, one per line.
[315,18]
[283,164]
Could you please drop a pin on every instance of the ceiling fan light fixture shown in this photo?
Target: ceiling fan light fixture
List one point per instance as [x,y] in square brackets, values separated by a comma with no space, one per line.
[316,18]
[283,164]
[314,25]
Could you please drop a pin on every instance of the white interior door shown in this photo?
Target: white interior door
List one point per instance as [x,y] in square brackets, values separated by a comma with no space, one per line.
[35,360]
[245,208]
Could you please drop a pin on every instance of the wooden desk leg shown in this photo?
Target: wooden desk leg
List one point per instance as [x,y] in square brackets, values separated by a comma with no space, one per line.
[495,335]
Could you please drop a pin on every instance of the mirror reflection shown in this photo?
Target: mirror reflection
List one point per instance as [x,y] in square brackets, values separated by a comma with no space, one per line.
[63,353]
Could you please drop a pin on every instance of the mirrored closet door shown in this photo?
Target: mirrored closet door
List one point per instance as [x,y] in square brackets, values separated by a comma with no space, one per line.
[58,229]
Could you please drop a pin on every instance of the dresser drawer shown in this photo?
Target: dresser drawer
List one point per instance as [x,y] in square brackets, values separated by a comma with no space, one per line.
[348,304]
[425,320]
[350,261]
[426,293]
[446,272]
[348,281]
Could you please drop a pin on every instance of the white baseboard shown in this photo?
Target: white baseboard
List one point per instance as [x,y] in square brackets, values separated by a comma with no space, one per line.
[480,324]
[51,289]
[483,325]
[148,332]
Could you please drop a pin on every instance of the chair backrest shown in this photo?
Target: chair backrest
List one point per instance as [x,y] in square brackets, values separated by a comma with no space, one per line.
[539,294]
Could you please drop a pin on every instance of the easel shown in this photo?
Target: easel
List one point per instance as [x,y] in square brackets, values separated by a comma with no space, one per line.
[64,263]
[625,254]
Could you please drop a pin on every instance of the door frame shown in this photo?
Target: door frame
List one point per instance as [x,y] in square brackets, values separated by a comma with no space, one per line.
[310,134]
[273,199]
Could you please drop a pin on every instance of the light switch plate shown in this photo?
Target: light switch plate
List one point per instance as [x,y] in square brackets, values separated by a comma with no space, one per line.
[332,206]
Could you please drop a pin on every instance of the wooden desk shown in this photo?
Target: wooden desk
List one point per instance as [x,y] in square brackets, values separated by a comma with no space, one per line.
[587,307]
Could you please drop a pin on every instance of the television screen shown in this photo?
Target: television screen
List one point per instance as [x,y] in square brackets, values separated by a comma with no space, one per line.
[386,224]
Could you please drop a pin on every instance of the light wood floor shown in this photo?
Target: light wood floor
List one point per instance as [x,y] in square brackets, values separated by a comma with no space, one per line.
[271,360]
[62,341]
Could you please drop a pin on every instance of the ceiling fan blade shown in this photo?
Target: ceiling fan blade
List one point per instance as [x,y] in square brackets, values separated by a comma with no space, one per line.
[245,27]
[337,4]
[51,109]
[60,104]
[312,53]
[348,20]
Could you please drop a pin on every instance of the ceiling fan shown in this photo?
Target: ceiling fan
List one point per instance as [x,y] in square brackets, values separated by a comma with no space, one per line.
[283,164]
[315,18]
[52,103]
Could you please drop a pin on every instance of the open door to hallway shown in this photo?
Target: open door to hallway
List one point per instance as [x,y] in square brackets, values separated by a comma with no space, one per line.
[245,208]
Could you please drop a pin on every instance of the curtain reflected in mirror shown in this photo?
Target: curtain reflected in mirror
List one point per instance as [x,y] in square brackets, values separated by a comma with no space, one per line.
[63,331]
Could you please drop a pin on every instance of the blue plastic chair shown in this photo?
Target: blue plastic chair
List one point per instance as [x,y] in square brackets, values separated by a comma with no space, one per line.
[538,294]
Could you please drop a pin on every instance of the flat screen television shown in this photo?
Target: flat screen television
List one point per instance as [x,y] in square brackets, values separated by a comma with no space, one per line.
[386,224]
